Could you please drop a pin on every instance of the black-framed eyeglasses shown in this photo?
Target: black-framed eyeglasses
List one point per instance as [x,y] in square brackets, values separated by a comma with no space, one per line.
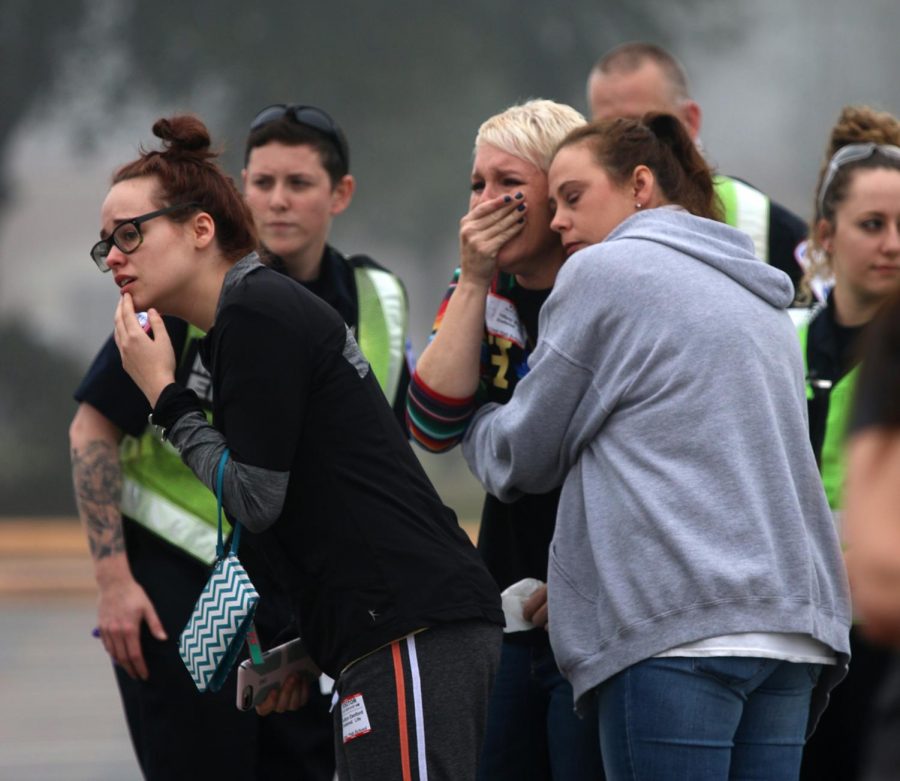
[310,116]
[127,235]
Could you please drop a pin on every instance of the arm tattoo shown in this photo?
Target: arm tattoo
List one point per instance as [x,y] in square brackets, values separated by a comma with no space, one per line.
[97,477]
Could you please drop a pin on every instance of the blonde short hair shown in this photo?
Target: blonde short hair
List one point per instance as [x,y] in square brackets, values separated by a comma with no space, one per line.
[530,131]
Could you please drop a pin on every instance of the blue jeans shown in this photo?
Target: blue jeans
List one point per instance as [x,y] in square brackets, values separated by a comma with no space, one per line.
[706,718]
[533,733]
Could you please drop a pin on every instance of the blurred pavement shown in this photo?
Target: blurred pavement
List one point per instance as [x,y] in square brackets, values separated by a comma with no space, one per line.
[60,717]
[60,714]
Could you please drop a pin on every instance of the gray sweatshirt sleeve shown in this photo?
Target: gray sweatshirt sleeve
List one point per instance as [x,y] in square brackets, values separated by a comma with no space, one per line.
[252,495]
[529,444]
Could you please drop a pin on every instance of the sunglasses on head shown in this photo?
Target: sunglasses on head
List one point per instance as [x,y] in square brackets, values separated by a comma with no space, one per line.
[853,153]
[309,116]
[127,236]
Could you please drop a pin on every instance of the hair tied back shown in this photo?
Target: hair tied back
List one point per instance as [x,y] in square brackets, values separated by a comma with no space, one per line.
[184,136]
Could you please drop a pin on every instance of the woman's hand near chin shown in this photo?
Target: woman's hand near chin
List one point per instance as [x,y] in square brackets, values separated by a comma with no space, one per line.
[484,231]
[149,360]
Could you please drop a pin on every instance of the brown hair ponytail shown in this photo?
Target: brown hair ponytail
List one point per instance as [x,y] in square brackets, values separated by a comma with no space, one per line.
[660,142]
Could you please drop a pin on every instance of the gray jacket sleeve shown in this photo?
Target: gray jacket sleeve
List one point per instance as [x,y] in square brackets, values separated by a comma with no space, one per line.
[252,495]
[529,444]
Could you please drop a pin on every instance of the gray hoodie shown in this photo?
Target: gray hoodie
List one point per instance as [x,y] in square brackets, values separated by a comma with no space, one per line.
[666,394]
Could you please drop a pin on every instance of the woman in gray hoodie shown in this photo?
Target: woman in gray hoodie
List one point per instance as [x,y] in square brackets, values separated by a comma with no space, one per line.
[697,594]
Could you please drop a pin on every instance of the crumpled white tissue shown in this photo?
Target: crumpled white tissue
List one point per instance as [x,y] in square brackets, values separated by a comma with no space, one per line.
[514,598]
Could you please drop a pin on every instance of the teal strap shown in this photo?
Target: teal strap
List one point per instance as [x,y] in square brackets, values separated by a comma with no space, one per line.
[252,637]
[236,538]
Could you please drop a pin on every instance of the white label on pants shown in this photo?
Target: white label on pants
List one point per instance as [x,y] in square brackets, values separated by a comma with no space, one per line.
[354,717]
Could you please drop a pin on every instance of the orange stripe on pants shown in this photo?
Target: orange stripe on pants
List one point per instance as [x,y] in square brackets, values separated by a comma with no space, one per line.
[401,711]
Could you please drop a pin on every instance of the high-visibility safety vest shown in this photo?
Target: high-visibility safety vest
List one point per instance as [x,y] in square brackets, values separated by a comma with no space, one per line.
[746,209]
[381,329]
[162,494]
[832,459]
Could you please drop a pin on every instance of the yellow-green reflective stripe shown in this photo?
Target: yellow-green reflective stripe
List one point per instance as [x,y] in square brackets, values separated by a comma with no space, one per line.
[803,335]
[381,331]
[171,522]
[157,465]
[746,209]
[834,455]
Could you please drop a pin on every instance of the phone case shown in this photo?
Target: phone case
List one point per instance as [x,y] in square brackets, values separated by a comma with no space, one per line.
[255,681]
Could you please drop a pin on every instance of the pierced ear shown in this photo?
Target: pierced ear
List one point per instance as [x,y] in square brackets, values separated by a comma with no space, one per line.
[642,184]
[342,194]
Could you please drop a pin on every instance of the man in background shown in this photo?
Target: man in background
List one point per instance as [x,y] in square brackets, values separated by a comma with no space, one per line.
[637,77]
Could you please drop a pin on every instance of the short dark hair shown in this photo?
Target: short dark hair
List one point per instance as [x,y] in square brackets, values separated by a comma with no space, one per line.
[290,133]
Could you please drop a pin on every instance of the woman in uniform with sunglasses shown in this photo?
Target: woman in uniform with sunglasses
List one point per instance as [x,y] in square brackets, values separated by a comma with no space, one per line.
[151,523]
[296,180]
[854,241]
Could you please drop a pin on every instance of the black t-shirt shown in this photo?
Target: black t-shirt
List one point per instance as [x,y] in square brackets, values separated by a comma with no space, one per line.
[514,537]
[336,286]
[363,542]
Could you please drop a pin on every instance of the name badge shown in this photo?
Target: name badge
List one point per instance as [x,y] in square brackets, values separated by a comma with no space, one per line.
[502,319]
[354,718]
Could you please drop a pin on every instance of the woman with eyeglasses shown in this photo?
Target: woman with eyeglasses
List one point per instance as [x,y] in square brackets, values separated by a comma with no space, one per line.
[390,597]
[855,244]
[485,329]
[696,591]
[151,541]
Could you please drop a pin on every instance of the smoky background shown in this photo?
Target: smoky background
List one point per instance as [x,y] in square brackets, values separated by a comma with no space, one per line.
[83,80]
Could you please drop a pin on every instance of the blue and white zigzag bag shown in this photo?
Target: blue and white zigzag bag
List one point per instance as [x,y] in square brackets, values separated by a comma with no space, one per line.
[223,615]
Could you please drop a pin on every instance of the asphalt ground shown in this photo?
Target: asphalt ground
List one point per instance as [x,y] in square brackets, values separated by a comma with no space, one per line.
[60,714]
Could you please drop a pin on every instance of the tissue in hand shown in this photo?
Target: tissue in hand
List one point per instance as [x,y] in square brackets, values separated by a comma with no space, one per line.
[514,598]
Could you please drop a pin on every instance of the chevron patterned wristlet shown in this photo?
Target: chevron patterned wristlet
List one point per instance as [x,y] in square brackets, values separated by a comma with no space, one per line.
[223,615]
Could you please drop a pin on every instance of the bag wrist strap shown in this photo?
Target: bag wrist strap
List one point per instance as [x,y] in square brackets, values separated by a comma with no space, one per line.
[236,537]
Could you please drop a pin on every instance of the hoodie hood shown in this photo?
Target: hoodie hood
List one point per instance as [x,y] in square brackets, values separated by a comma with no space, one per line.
[714,243]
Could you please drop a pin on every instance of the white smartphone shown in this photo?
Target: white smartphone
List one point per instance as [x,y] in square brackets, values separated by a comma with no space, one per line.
[255,681]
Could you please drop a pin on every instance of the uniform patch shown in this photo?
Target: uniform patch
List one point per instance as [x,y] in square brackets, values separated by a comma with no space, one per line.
[354,718]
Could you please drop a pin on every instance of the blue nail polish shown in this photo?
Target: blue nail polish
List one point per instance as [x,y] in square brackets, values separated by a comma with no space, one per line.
[519,196]
[506,199]
[520,220]
[521,207]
